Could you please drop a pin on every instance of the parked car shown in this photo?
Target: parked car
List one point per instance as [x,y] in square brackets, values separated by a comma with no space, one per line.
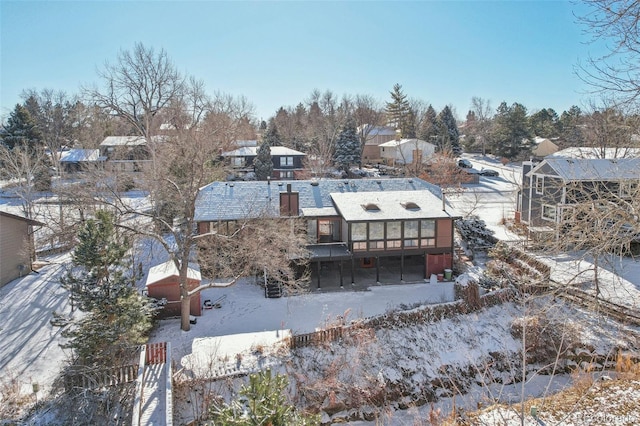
[464,163]
[488,172]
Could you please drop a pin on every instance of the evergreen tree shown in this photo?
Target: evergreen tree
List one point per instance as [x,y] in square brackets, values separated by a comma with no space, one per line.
[429,129]
[399,112]
[511,133]
[570,124]
[21,129]
[101,284]
[448,133]
[272,137]
[262,402]
[263,164]
[545,123]
[347,150]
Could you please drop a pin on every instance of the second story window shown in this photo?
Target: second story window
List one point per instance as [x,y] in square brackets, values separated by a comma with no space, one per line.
[539,182]
[286,161]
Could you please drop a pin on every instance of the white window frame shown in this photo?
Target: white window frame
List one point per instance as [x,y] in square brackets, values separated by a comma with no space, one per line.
[286,161]
[539,188]
[551,207]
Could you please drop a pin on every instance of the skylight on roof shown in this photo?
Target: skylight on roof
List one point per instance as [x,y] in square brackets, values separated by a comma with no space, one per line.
[371,207]
[410,205]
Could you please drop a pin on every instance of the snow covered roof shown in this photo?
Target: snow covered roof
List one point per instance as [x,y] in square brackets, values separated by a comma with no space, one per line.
[594,169]
[80,155]
[251,199]
[123,141]
[241,143]
[394,142]
[596,152]
[130,140]
[252,151]
[396,205]
[168,269]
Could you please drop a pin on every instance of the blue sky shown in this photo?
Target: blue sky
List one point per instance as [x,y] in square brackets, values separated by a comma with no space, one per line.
[276,53]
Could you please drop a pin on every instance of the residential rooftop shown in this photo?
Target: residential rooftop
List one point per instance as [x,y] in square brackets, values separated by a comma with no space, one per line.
[588,169]
[241,200]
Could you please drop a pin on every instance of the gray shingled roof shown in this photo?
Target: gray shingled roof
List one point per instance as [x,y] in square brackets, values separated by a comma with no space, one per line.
[240,200]
[594,169]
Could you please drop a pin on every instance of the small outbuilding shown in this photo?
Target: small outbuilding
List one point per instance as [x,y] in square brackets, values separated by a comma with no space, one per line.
[406,151]
[17,249]
[163,283]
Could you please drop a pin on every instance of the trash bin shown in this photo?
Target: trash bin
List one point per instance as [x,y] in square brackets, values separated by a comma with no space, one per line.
[448,273]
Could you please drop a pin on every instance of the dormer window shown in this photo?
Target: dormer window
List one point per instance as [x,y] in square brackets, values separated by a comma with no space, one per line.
[371,207]
[410,205]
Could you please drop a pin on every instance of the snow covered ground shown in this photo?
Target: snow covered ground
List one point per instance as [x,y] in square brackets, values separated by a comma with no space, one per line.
[30,350]
[246,320]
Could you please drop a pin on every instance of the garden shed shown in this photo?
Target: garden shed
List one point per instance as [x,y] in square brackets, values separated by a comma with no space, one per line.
[163,282]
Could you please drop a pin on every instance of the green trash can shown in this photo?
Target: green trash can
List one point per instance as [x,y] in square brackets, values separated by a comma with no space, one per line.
[448,274]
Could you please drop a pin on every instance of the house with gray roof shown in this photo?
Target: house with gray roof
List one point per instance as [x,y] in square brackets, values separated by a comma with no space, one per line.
[397,226]
[373,136]
[76,160]
[287,162]
[552,187]
[127,153]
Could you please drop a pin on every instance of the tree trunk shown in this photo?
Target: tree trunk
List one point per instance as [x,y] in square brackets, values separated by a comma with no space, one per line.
[185,311]
[185,299]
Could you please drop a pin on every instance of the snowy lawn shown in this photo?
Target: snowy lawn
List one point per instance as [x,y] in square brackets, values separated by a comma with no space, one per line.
[244,309]
[30,348]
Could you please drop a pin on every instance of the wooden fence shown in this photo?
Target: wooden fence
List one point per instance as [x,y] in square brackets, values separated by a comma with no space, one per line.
[425,314]
[316,337]
[90,378]
[156,353]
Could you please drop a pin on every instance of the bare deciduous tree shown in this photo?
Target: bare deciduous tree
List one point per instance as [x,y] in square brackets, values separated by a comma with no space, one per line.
[609,131]
[139,85]
[28,169]
[616,74]
[481,127]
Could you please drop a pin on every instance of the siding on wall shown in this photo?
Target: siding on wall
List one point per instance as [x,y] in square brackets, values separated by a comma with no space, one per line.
[444,237]
[14,248]
[169,288]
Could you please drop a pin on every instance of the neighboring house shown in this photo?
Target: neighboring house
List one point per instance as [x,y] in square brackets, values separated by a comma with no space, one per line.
[402,225]
[406,151]
[550,187]
[163,283]
[544,147]
[597,152]
[374,136]
[77,160]
[287,162]
[17,250]
[125,153]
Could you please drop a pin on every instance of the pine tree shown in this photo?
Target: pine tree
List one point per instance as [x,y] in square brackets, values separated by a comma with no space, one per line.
[263,164]
[429,129]
[21,129]
[100,283]
[262,402]
[347,150]
[448,133]
[272,137]
[511,132]
[570,126]
[399,112]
